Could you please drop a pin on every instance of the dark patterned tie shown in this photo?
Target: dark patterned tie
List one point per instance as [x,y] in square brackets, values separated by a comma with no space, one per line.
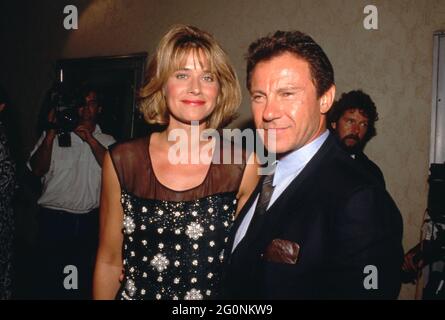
[261,206]
[265,195]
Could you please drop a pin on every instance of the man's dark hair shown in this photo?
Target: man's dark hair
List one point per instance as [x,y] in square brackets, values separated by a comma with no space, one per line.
[83,92]
[359,100]
[299,44]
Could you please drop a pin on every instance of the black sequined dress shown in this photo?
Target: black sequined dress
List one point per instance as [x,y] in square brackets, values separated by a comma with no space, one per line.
[173,241]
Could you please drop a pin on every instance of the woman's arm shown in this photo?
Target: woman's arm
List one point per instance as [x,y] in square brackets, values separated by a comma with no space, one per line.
[109,255]
[248,183]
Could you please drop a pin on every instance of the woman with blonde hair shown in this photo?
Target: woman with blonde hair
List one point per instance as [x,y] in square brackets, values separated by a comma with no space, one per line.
[165,221]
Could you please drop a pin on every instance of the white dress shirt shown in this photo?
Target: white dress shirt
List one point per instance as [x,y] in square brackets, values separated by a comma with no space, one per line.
[73,180]
[287,169]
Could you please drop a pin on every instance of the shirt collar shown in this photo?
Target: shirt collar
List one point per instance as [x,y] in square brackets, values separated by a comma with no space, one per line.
[97,129]
[292,163]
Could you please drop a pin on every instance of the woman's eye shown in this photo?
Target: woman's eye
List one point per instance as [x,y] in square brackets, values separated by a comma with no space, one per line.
[181,76]
[208,78]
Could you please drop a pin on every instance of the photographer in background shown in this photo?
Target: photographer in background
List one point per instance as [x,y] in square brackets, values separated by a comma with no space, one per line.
[425,262]
[68,158]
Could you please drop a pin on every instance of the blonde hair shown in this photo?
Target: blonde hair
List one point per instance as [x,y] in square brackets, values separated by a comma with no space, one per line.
[171,53]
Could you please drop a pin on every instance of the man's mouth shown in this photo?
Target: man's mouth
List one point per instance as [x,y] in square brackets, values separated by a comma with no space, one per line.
[351,137]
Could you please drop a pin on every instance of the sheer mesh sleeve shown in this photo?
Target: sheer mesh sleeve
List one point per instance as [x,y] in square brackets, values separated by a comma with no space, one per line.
[132,163]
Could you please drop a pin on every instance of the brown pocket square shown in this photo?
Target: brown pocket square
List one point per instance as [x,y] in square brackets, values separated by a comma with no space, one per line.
[282,251]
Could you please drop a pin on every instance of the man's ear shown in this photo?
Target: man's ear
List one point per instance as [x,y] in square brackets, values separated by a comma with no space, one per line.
[2,106]
[334,125]
[327,99]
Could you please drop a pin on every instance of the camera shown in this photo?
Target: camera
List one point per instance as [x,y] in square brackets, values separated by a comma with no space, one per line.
[65,105]
[436,199]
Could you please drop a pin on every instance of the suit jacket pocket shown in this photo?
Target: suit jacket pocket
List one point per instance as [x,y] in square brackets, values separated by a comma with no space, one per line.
[282,251]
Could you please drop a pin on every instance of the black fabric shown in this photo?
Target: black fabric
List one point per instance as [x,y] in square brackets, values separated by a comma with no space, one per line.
[65,241]
[342,219]
[370,167]
[173,240]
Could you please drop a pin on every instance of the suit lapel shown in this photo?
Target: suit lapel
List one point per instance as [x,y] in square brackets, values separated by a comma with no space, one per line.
[281,205]
[239,219]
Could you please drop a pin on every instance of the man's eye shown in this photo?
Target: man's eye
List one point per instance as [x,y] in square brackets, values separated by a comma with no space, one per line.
[287,94]
[364,125]
[257,98]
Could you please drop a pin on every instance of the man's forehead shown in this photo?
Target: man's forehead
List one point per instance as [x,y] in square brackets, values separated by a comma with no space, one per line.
[282,71]
[355,112]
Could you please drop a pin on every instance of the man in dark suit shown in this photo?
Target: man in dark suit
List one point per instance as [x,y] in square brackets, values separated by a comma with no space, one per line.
[319,227]
[352,120]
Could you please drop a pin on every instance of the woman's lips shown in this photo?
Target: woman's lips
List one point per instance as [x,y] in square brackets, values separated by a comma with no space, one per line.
[194,102]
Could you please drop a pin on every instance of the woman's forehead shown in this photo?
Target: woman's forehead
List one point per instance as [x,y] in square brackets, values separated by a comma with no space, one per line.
[192,58]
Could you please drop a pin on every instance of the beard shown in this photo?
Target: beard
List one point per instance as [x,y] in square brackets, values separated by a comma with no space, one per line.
[354,148]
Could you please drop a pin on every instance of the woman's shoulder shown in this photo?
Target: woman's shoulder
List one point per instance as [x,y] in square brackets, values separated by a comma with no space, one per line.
[129,150]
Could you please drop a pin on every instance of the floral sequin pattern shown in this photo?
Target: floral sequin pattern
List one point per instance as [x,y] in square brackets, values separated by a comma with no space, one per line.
[159,262]
[129,225]
[194,230]
[171,249]
[193,295]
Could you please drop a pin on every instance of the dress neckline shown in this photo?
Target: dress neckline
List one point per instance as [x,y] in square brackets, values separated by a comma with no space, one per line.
[166,187]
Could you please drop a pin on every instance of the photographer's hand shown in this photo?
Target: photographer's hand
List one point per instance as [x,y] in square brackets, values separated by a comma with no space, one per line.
[51,133]
[84,133]
[98,149]
[413,263]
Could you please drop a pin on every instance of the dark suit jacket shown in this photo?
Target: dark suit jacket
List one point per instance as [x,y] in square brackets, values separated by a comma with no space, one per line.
[370,167]
[342,219]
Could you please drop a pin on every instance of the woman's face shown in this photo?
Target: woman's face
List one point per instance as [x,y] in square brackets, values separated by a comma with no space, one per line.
[191,92]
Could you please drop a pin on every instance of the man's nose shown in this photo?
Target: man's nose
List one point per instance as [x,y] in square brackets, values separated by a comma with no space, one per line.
[272,110]
[355,129]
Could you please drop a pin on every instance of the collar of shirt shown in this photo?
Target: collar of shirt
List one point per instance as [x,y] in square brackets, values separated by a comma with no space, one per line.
[97,130]
[290,166]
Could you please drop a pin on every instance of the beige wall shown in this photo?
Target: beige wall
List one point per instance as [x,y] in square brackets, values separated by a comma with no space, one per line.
[393,64]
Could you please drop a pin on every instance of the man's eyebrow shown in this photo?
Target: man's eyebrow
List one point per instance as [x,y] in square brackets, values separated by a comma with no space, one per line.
[257,91]
[290,87]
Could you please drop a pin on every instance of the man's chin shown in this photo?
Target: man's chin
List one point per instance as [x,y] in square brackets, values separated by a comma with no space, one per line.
[354,148]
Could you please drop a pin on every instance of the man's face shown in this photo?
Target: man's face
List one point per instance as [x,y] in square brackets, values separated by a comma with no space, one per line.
[284,103]
[351,128]
[89,110]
